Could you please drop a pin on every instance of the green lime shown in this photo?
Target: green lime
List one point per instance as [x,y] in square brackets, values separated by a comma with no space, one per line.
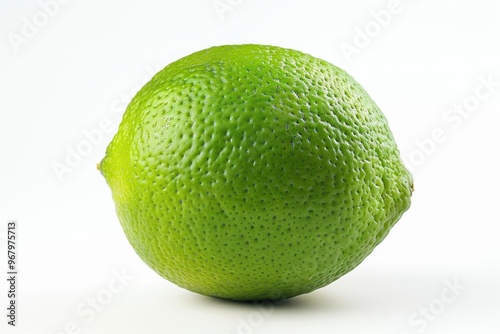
[254,172]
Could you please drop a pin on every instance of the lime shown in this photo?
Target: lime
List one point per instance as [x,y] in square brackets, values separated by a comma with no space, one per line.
[254,172]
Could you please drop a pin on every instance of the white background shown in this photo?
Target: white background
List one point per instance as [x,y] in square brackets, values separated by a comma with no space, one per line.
[63,75]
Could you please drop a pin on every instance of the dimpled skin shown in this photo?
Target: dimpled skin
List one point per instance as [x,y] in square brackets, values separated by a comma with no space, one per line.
[253,172]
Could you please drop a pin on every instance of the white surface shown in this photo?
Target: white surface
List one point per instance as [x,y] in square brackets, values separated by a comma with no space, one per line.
[80,69]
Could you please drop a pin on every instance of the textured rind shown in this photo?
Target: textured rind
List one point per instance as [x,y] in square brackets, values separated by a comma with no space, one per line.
[253,172]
